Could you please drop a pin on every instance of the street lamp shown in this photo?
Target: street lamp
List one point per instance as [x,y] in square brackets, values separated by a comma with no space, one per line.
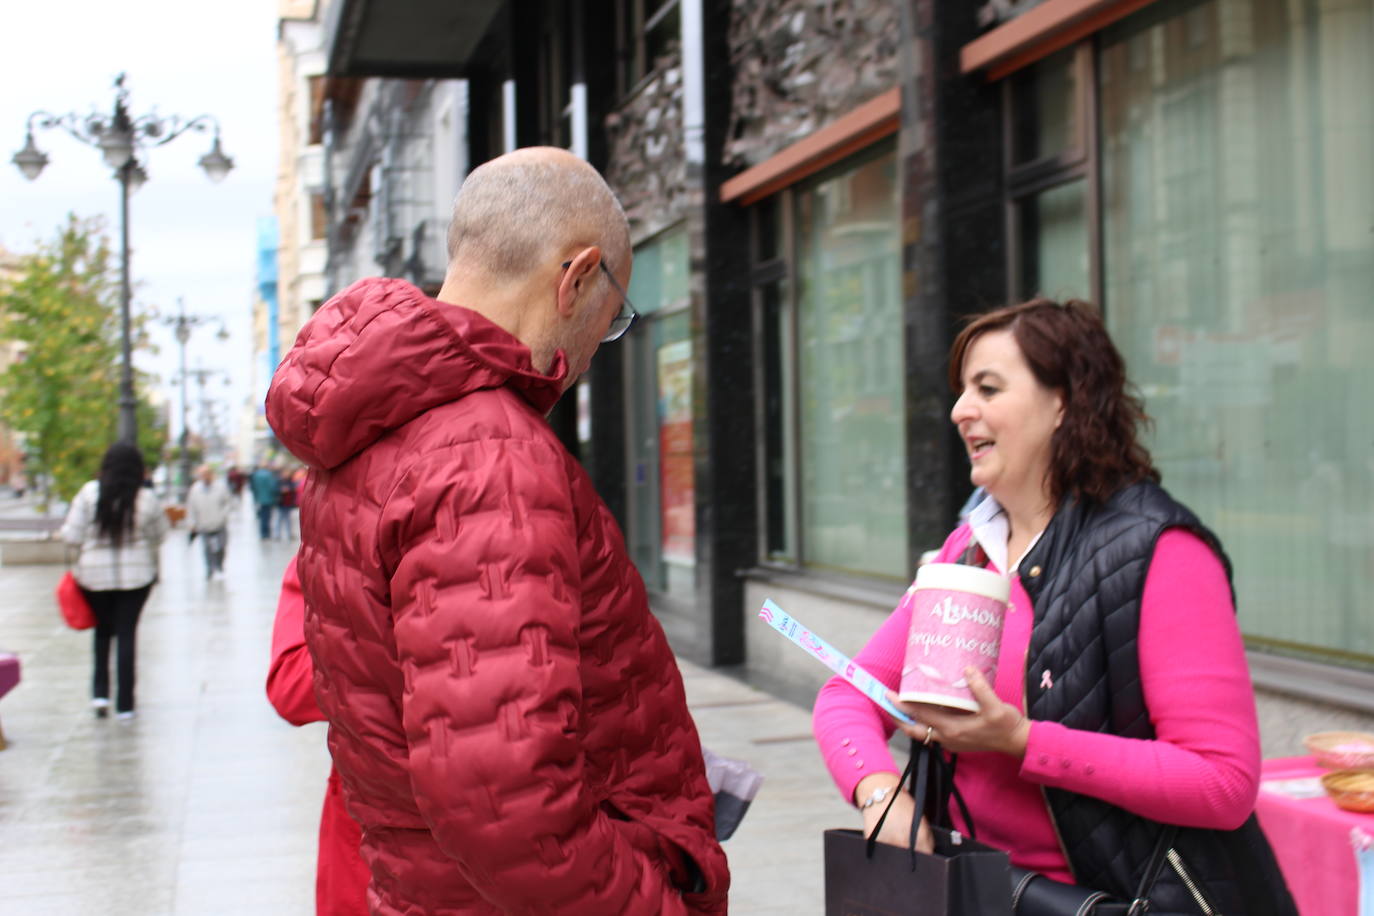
[183,323]
[120,140]
[209,413]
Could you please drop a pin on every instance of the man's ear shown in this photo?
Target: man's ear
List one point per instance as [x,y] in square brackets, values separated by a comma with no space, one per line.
[581,272]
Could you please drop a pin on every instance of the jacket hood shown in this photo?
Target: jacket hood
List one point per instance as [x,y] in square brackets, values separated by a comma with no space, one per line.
[381,353]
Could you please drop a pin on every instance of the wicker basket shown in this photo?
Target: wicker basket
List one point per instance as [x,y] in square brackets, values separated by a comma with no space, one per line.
[1352,790]
[1342,750]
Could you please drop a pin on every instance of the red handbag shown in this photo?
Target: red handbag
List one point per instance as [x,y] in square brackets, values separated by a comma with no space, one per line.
[75,609]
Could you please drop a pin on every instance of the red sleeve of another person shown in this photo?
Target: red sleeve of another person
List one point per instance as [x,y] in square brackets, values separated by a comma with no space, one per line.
[341,877]
[290,676]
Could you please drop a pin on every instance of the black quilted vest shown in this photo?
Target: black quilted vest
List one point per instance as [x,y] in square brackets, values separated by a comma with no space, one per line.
[1085,578]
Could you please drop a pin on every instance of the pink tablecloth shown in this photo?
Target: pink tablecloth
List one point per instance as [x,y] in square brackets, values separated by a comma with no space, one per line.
[1315,841]
[9,672]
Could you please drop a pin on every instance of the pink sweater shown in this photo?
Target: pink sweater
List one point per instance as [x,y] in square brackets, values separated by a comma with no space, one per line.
[1201,770]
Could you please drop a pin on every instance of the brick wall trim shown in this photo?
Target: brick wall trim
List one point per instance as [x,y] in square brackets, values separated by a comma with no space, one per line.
[1039,32]
[875,119]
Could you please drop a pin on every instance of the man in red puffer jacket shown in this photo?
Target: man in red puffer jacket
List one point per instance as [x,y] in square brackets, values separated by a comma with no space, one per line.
[506,717]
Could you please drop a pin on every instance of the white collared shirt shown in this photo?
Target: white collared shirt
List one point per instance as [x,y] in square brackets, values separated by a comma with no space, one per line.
[991,529]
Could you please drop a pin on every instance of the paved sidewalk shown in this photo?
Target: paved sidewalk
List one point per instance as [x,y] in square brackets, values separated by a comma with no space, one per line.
[207,803]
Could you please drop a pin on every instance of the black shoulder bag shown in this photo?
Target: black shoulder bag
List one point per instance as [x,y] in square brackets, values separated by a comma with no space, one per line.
[1033,894]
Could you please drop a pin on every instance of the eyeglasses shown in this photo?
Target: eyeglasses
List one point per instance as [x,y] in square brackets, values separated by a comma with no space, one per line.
[627,314]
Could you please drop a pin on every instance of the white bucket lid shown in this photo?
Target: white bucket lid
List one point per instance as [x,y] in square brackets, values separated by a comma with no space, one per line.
[964,578]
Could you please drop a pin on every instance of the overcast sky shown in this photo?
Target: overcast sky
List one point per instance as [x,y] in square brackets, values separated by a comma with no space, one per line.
[189,237]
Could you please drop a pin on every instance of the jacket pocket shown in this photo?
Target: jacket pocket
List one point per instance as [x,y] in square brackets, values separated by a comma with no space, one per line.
[683,872]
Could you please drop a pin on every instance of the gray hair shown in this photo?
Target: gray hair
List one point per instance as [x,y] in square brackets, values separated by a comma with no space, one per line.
[511,213]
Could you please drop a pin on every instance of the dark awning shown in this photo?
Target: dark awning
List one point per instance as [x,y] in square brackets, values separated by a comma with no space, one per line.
[416,39]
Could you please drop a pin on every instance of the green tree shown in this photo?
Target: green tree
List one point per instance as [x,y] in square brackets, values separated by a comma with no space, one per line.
[62,307]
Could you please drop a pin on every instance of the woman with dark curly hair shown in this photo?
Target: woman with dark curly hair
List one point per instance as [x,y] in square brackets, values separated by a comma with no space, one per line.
[1122,702]
[118,523]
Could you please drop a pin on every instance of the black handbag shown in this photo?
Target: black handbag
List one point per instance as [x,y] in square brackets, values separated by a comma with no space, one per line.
[961,878]
[1033,894]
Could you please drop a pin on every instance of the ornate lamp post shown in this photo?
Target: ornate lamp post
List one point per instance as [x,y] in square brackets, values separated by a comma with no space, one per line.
[209,412]
[121,139]
[183,323]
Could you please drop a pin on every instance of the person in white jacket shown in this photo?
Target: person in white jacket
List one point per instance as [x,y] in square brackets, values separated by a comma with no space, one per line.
[207,512]
[118,523]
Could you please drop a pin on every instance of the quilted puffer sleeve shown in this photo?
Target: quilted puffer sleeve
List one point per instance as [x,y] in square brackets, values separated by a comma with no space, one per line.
[486,601]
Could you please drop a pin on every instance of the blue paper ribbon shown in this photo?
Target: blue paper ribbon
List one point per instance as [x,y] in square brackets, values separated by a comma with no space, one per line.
[832,658]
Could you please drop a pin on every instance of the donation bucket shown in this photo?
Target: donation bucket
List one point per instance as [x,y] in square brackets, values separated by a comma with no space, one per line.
[956,621]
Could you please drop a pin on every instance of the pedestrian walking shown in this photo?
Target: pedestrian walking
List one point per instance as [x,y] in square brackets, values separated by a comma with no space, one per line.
[236,479]
[266,493]
[508,721]
[288,490]
[118,524]
[207,515]
[1121,724]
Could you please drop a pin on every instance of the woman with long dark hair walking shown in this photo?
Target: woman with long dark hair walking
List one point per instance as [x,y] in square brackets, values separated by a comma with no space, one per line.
[118,523]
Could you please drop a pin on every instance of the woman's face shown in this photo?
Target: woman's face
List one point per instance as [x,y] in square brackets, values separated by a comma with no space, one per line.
[1006,419]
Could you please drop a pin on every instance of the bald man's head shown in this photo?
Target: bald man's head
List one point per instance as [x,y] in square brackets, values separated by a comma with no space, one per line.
[517,211]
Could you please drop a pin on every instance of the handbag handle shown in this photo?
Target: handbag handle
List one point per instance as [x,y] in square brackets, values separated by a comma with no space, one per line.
[919,790]
[871,842]
[1140,904]
[959,799]
[924,760]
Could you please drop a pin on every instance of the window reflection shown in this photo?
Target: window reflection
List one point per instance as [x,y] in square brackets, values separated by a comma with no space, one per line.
[1238,263]
[851,450]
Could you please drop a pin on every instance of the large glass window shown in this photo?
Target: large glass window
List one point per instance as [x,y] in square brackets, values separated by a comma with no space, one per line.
[647,33]
[835,455]
[662,493]
[778,421]
[1053,233]
[1238,219]
[1049,178]
[1046,110]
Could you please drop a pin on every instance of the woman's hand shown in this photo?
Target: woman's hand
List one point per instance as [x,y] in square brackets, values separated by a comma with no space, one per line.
[897,828]
[996,726]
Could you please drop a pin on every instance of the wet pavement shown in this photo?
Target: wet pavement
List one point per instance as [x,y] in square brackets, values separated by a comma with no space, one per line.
[208,803]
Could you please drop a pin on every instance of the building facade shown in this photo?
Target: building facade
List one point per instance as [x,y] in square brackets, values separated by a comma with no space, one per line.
[298,198]
[819,192]
[368,170]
